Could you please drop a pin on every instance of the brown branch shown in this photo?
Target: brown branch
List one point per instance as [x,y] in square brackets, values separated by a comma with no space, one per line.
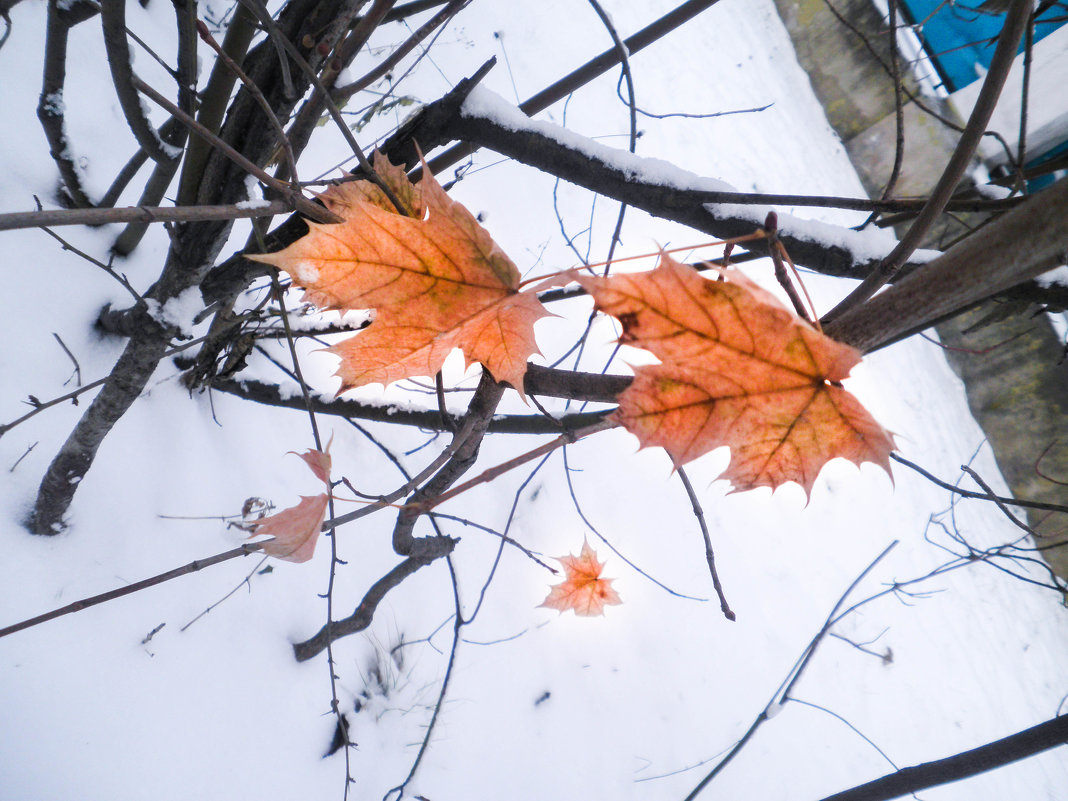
[192,251]
[214,101]
[113,21]
[605,176]
[364,613]
[50,108]
[137,586]
[261,101]
[1014,247]
[465,451]
[710,555]
[155,188]
[301,203]
[541,381]
[148,214]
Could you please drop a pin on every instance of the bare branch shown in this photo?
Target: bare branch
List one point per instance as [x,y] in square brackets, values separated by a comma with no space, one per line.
[137,586]
[50,106]
[1043,737]
[1004,55]
[1021,244]
[113,20]
[148,214]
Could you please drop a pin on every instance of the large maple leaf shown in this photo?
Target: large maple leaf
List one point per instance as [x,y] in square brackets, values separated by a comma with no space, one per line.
[434,277]
[583,591]
[738,369]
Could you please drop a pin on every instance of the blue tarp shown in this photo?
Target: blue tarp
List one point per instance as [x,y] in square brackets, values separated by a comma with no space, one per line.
[960,40]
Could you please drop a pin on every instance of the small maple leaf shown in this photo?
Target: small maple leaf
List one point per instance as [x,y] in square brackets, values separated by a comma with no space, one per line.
[435,278]
[296,530]
[319,462]
[736,368]
[584,591]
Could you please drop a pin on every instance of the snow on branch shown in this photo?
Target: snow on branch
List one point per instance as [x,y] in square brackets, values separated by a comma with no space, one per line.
[659,187]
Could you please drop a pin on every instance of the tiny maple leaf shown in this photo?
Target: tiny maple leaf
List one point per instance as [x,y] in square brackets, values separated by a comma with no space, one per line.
[584,591]
[434,277]
[295,530]
[319,462]
[736,368]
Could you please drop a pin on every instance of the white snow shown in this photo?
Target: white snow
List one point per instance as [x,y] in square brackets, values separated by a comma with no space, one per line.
[256,203]
[634,705]
[179,311]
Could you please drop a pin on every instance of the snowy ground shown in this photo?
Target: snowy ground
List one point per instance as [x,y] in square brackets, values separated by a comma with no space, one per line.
[633,705]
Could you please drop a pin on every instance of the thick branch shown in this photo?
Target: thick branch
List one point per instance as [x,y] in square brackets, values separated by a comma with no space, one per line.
[1019,245]
[430,419]
[50,107]
[194,248]
[113,20]
[1002,752]
[645,183]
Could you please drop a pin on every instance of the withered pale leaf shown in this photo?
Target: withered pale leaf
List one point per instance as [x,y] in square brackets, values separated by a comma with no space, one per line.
[295,530]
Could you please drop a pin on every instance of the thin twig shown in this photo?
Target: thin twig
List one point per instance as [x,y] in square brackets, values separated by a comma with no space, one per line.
[998,72]
[627,561]
[77,374]
[96,262]
[301,203]
[1049,507]
[40,406]
[710,555]
[137,586]
[456,626]
[150,214]
[783,691]
[246,580]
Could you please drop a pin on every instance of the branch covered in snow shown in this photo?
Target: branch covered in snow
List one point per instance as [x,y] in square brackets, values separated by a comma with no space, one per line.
[655,186]
[540,378]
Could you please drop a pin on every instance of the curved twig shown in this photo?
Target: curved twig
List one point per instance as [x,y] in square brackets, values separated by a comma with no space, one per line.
[1004,55]
[113,21]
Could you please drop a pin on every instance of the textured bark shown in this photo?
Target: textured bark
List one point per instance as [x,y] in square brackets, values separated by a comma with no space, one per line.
[684,206]
[1019,245]
[126,382]
[194,248]
[1017,380]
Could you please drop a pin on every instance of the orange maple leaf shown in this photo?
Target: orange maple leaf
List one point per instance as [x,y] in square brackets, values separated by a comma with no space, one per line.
[435,279]
[584,591]
[736,369]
